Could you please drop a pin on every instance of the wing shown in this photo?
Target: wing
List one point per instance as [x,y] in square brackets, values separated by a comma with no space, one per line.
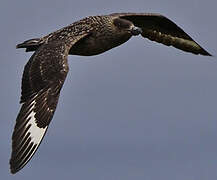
[160,29]
[43,78]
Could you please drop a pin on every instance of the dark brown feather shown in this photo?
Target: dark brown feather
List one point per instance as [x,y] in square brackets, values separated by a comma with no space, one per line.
[42,81]
[162,30]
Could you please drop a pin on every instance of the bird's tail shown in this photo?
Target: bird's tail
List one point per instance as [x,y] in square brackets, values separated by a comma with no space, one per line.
[31,44]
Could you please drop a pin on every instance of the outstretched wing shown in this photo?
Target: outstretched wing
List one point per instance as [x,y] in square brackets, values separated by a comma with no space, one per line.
[160,29]
[42,81]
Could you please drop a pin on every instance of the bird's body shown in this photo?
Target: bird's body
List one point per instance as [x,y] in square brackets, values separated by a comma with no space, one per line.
[100,36]
[45,72]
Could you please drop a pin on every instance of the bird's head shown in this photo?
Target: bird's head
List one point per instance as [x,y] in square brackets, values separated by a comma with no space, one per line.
[124,26]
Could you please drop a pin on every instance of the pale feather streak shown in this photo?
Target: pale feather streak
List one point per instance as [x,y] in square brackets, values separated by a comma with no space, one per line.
[36,134]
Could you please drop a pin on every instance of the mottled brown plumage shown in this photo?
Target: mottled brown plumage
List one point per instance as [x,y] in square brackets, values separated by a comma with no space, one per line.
[45,72]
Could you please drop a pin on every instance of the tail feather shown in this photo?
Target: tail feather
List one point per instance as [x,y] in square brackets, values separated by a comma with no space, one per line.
[31,44]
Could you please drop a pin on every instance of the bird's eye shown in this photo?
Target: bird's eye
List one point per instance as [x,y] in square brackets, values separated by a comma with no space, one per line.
[122,23]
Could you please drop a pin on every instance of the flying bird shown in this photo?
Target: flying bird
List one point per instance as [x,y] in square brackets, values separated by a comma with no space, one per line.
[45,72]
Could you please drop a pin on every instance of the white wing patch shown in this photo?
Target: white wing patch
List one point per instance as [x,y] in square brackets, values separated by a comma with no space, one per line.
[36,133]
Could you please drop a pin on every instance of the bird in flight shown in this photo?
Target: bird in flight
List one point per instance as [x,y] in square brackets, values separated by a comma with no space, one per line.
[45,72]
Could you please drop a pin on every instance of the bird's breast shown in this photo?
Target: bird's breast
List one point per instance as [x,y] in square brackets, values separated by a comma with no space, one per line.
[97,43]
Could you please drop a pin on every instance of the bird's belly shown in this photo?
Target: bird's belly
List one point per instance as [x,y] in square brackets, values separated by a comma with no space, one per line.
[93,46]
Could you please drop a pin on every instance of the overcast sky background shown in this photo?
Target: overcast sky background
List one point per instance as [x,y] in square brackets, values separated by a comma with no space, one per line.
[139,111]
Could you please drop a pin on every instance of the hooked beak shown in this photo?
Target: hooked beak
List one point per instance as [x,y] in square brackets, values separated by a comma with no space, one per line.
[136,31]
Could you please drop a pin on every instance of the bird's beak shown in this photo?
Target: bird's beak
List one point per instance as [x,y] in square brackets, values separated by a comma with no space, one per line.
[135,31]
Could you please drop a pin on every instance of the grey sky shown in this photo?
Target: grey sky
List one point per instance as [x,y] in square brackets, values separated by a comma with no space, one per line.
[139,111]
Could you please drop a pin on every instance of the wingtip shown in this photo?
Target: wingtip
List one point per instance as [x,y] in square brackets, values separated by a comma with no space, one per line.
[210,55]
[12,169]
[205,53]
